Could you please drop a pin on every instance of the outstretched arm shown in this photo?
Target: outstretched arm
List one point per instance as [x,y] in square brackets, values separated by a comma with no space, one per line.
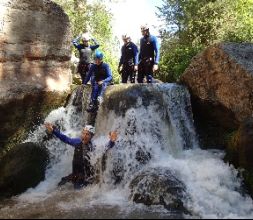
[71,141]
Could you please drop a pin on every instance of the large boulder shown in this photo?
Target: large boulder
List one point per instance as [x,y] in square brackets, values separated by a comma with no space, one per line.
[220,80]
[158,186]
[23,167]
[35,74]
[35,47]
[19,116]
[240,148]
[240,151]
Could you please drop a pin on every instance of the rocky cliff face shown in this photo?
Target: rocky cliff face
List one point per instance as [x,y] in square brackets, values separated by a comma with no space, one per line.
[22,168]
[35,47]
[220,80]
[34,62]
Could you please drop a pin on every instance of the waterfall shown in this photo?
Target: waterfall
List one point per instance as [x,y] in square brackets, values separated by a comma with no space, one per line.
[156,139]
[151,121]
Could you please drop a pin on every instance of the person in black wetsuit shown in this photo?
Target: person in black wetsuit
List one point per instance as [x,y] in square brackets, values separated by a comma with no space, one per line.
[149,55]
[82,170]
[128,64]
[86,53]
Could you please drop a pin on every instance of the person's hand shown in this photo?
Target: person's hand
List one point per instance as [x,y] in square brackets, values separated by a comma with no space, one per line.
[155,67]
[113,136]
[49,127]
[100,83]
[135,68]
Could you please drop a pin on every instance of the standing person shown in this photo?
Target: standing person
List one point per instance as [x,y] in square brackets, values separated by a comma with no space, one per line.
[100,75]
[85,51]
[128,64]
[82,170]
[149,55]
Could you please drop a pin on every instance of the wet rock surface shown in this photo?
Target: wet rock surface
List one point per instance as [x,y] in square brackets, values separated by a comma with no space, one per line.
[22,168]
[35,76]
[240,151]
[159,186]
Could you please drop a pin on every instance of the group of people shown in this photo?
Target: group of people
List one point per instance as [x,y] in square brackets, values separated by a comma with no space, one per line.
[131,61]
[145,62]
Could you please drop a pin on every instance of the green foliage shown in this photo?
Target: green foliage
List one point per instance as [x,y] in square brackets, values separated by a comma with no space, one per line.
[193,25]
[174,62]
[96,19]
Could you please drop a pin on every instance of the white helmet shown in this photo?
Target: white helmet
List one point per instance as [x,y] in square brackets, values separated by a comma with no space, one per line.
[85,37]
[90,128]
[126,36]
[144,27]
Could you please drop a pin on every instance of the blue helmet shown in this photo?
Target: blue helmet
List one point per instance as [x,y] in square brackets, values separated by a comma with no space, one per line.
[99,55]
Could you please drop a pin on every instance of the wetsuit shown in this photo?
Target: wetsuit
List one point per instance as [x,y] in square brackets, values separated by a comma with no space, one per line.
[129,59]
[85,56]
[98,73]
[149,55]
[82,170]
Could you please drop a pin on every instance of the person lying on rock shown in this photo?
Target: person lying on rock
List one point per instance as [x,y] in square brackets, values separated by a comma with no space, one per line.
[82,170]
[100,75]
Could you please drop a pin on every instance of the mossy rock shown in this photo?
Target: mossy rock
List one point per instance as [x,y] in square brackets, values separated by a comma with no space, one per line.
[232,151]
[77,80]
[23,167]
[240,146]
[248,181]
[18,117]
[240,152]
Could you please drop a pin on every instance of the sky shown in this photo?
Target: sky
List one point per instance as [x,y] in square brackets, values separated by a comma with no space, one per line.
[129,15]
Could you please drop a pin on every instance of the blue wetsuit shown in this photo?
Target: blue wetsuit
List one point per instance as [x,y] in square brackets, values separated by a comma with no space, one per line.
[85,56]
[129,59]
[149,55]
[98,73]
[82,170]
[75,142]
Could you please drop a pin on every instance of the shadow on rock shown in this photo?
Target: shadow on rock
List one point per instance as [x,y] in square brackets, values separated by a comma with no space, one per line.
[22,168]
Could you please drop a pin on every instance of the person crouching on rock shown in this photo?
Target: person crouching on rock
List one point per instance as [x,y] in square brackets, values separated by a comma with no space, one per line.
[100,75]
[82,170]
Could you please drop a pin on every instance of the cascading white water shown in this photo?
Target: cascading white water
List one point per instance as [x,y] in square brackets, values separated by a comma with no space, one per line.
[161,126]
[155,128]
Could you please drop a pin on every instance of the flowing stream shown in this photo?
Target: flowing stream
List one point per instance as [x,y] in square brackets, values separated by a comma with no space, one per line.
[156,131]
